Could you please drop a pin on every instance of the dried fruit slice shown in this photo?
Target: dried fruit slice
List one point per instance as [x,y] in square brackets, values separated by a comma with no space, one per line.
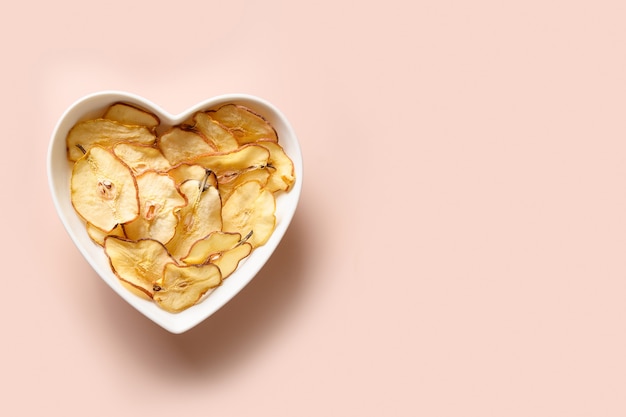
[246,125]
[103,190]
[98,235]
[141,158]
[186,171]
[228,261]
[139,263]
[158,197]
[229,181]
[131,115]
[179,145]
[215,243]
[281,167]
[182,286]
[245,157]
[250,209]
[198,218]
[215,132]
[104,133]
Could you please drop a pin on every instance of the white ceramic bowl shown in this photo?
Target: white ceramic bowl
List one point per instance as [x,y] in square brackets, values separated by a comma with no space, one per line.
[59,172]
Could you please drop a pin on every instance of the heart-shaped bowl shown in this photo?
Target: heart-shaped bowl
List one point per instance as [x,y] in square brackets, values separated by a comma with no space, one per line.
[59,174]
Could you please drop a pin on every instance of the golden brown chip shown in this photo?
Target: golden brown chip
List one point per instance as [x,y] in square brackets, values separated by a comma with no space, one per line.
[141,158]
[139,263]
[103,190]
[215,132]
[131,115]
[250,209]
[158,197]
[198,218]
[245,124]
[186,171]
[98,235]
[104,133]
[244,158]
[179,145]
[215,243]
[281,167]
[182,286]
[228,261]
[227,182]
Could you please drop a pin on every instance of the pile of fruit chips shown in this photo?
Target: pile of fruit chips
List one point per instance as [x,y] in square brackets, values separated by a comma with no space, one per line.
[177,211]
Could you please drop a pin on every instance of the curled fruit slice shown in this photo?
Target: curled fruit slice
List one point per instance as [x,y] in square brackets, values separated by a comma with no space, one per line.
[141,158]
[182,286]
[250,209]
[103,189]
[215,243]
[221,137]
[131,115]
[198,218]
[138,263]
[246,125]
[180,145]
[98,235]
[104,133]
[158,197]
[245,157]
[281,166]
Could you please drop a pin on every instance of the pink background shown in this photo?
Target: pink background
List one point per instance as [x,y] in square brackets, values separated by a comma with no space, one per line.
[460,244]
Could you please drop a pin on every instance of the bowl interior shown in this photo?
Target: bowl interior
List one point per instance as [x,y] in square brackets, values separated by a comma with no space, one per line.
[59,173]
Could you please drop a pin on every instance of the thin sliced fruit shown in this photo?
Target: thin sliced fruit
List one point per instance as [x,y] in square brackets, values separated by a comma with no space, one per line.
[250,209]
[186,171]
[281,167]
[158,197]
[245,157]
[180,145]
[105,133]
[215,243]
[182,286]
[228,182]
[139,263]
[198,218]
[98,235]
[246,125]
[131,115]
[103,189]
[215,132]
[141,158]
[229,260]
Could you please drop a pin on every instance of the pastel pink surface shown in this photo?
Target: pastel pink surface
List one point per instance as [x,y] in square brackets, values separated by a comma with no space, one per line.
[458,248]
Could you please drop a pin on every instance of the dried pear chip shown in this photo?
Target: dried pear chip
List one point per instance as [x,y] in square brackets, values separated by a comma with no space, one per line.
[229,181]
[98,235]
[214,244]
[198,218]
[245,157]
[186,171]
[179,145]
[139,263]
[246,125]
[282,171]
[103,189]
[105,133]
[215,132]
[182,286]
[141,158]
[250,209]
[158,197]
[228,261]
[131,115]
